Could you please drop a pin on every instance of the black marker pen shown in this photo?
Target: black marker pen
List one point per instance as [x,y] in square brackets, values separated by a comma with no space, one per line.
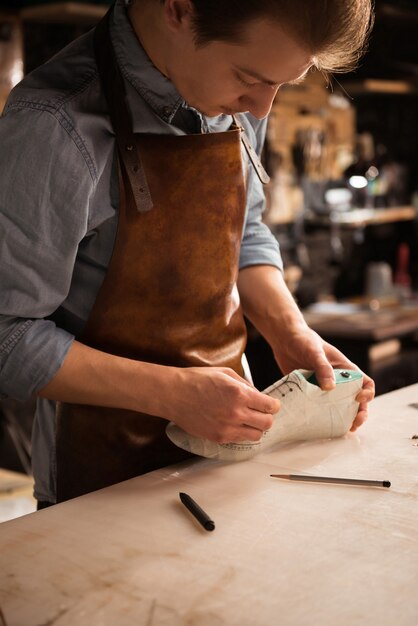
[202,517]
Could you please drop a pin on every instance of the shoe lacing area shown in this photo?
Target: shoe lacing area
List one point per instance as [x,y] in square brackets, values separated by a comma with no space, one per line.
[285,385]
[340,393]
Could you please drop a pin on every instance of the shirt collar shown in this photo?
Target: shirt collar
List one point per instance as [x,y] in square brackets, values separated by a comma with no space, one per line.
[156,89]
[136,66]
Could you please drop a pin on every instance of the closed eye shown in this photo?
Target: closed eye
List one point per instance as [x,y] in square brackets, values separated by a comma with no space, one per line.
[243,81]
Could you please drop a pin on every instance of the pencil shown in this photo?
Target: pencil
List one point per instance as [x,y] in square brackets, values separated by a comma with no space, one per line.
[339,481]
[202,517]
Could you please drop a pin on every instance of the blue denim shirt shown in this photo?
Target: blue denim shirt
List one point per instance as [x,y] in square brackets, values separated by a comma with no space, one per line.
[58,209]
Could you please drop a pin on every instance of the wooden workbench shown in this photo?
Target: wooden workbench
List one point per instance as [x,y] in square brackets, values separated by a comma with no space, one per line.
[283,553]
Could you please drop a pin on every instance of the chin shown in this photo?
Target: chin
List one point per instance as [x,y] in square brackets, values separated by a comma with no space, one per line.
[210,112]
[214,111]
[228,111]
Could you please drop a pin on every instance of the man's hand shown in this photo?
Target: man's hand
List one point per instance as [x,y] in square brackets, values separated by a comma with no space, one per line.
[269,305]
[305,349]
[217,404]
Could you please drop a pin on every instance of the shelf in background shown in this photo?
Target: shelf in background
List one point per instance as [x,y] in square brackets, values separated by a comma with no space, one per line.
[379,86]
[355,218]
[398,12]
[64,13]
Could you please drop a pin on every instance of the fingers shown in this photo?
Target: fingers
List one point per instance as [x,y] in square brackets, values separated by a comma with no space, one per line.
[239,433]
[323,360]
[253,416]
[230,409]
[367,392]
[263,403]
[233,374]
[325,375]
[365,395]
[247,433]
[261,409]
[361,417]
[258,408]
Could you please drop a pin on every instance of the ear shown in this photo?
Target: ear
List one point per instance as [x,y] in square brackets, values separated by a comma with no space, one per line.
[178,13]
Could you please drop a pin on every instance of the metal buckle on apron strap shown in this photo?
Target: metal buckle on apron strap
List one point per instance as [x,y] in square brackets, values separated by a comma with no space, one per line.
[252,154]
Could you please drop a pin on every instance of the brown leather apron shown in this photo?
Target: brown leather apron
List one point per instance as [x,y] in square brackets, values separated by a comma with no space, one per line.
[169,295]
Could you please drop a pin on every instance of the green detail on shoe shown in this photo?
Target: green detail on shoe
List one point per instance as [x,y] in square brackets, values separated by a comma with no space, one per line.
[341,376]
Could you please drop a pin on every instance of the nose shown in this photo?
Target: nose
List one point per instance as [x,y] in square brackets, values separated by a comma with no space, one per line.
[259,100]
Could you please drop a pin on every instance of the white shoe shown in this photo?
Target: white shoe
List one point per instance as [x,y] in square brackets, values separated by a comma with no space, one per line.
[306,412]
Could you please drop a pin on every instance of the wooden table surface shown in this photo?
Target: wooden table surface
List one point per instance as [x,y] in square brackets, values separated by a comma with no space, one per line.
[283,553]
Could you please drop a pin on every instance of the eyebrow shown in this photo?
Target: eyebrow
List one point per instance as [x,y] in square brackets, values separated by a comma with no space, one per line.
[272,83]
[255,75]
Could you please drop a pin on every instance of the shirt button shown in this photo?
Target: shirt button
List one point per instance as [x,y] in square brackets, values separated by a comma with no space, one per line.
[167,111]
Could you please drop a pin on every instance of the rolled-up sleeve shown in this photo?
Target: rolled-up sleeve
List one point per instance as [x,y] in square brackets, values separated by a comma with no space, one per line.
[258,246]
[45,186]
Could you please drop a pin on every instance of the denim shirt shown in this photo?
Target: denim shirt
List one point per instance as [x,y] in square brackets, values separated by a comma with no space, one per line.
[59,203]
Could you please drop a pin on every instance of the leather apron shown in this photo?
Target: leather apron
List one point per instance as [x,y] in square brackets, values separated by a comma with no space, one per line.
[169,295]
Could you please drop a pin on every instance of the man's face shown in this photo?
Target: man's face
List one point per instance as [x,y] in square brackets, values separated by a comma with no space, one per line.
[231,78]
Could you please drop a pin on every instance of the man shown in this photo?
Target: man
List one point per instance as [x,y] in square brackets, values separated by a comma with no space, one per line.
[131,231]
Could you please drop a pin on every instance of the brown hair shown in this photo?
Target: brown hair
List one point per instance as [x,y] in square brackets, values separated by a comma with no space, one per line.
[335,32]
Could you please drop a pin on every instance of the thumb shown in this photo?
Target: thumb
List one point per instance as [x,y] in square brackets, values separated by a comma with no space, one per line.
[324,374]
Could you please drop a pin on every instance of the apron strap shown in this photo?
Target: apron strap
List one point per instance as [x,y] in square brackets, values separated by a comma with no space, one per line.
[120,115]
[252,154]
